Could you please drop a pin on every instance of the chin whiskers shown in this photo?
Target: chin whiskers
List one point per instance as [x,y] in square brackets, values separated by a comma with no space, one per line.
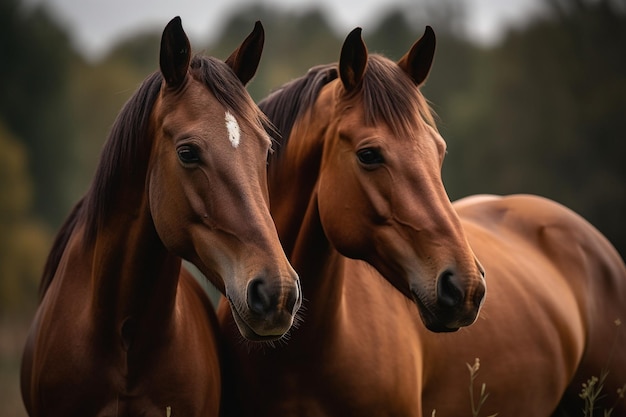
[264,345]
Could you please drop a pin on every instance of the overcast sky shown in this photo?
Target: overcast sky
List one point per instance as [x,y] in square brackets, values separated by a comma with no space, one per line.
[96,24]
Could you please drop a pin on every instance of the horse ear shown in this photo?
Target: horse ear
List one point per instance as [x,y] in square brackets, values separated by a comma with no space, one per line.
[417,62]
[175,53]
[244,60]
[353,60]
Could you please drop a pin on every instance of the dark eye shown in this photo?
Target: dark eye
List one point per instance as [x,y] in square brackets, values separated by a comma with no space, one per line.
[188,154]
[370,156]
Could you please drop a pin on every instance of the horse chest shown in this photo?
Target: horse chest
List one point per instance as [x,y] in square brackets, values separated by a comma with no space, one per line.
[364,366]
[104,388]
[112,376]
[336,379]
[334,395]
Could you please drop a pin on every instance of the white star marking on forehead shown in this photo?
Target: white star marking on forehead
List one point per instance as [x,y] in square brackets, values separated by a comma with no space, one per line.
[233,129]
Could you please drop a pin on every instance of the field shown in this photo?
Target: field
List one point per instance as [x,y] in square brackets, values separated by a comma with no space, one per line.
[13,332]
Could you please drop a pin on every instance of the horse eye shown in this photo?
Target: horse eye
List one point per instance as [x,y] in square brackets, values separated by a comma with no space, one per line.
[370,156]
[188,154]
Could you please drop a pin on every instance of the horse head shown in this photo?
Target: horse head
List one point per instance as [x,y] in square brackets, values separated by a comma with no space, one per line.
[207,182]
[380,193]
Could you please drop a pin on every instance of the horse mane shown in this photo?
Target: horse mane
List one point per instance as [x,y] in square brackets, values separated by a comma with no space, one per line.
[58,247]
[388,94]
[391,96]
[126,152]
[285,105]
[124,155]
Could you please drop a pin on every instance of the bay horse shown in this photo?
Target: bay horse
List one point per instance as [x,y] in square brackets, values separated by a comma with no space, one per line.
[389,267]
[121,329]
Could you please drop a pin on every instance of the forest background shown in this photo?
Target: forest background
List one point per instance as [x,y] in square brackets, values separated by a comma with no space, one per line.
[543,111]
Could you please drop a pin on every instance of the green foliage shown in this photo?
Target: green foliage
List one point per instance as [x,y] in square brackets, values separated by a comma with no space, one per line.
[97,95]
[392,37]
[593,391]
[24,242]
[35,57]
[544,113]
[139,54]
[16,196]
[293,44]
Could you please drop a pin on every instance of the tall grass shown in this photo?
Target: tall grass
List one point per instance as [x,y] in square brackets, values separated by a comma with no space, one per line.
[477,403]
[592,393]
[592,390]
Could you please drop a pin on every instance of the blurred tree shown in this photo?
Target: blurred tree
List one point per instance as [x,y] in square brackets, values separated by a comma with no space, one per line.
[400,26]
[23,241]
[461,90]
[109,83]
[393,36]
[35,54]
[543,113]
[139,53]
[558,117]
[293,44]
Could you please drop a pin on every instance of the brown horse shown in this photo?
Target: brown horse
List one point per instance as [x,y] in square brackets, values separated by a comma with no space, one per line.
[357,197]
[121,330]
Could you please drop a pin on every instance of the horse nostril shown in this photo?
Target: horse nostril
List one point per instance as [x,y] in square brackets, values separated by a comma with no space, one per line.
[449,294]
[293,299]
[259,301]
[479,296]
[266,297]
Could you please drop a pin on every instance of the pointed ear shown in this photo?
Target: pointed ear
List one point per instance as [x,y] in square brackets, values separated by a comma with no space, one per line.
[417,62]
[353,61]
[175,53]
[244,60]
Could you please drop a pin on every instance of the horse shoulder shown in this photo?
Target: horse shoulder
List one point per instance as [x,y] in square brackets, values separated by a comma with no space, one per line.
[540,222]
[584,258]
[380,335]
[530,248]
[577,261]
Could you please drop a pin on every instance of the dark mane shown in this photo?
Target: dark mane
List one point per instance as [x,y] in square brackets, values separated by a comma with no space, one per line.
[125,153]
[124,157]
[388,95]
[285,105]
[58,247]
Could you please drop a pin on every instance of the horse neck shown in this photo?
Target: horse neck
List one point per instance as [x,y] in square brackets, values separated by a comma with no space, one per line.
[293,174]
[133,275]
[293,201]
[320,268]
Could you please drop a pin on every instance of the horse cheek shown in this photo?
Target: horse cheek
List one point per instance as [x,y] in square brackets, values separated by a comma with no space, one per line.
[165,209]
[340,222]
